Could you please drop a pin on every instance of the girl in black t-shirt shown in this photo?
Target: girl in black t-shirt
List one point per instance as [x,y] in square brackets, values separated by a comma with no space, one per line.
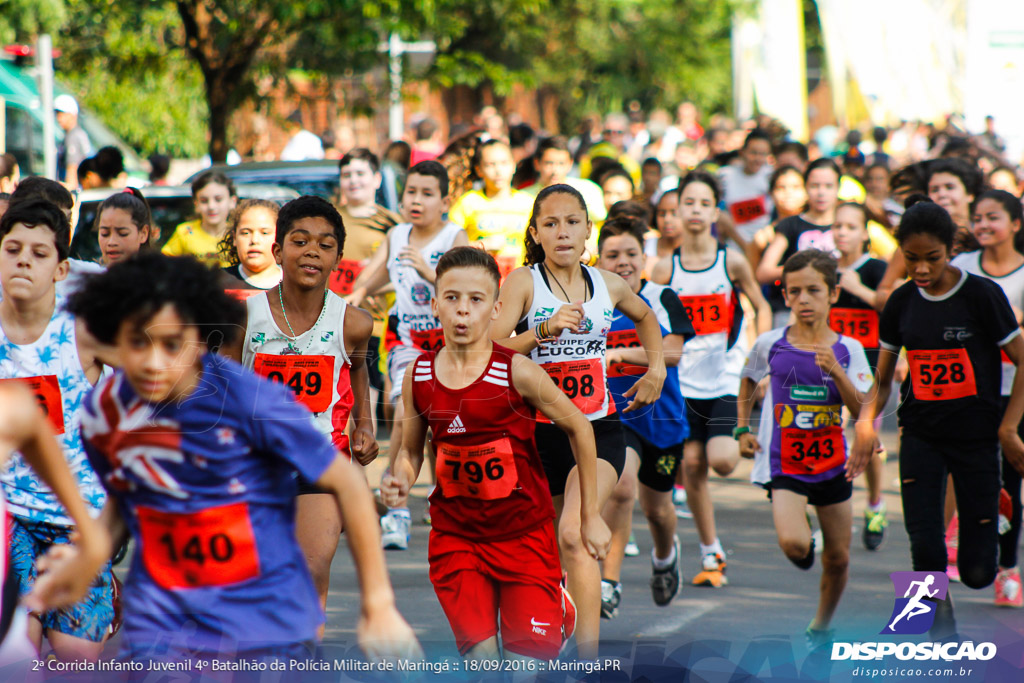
[810,230]
[953,326]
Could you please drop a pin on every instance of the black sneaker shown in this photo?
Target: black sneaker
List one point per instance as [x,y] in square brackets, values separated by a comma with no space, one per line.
[665,582]
[611,595]
[808,561]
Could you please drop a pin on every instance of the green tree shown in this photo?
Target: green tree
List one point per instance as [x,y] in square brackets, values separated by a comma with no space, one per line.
[23,20]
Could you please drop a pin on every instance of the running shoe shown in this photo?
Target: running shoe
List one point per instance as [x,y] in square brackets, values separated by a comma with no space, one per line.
[1008,588]
[679,500]
[712,571]
[568,613]
[807,562]
[394,528]
[665,582]
[952,544]
[632,549]
[1005,511]
[611,596]
[874,528]
[817,639]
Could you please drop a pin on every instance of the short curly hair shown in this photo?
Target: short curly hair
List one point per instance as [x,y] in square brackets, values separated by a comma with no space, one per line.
[310,206]
[137,288]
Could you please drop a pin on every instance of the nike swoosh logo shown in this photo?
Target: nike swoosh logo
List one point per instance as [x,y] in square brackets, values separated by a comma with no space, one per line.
[534,622]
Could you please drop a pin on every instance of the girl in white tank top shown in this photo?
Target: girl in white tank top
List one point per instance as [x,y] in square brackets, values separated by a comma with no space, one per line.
[567,308]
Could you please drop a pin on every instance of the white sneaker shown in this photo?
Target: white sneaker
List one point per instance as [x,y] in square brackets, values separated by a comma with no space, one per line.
[394,527]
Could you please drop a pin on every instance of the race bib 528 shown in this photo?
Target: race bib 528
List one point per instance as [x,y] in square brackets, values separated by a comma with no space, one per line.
[941,375]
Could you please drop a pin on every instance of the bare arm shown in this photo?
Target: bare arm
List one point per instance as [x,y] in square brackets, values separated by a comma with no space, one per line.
[358,328]
[515,297]
[374,276]
[741,273]
[394,488]
[769,270]
[671,347]
[534,385]
[748,442]
[662,271]
[1013,448]
[648,388]
[874,403]
[894,275]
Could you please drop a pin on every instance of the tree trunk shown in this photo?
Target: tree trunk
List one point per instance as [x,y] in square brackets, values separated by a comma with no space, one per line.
[220,107]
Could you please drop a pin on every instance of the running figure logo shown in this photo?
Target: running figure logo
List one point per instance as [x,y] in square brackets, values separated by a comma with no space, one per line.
[914,612]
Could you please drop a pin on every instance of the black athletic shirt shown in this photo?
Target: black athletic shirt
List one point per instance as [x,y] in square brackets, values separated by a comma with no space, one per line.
[854,317]
[953,347]
[800,234]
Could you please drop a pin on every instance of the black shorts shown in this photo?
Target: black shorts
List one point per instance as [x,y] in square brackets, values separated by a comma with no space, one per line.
[818,493]
[373,364]
[658,466]
[556,451]
[710,417]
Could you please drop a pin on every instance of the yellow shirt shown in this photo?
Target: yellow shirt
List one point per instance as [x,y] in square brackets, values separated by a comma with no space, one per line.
[883,244]
[190,238]
[499,223]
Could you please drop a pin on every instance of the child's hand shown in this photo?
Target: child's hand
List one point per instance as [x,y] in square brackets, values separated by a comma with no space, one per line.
[393,490]
[364,446]
[865,444]
[65,574]
[749,446]
[825,358]
[568,317]
[596,537]
[383,634]
[411,256]
[849,280]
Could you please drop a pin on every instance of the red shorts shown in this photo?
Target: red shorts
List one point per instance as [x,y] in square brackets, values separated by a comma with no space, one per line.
[517,580]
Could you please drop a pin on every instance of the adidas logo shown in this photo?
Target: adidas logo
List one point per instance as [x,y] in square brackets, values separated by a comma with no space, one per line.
[456,427]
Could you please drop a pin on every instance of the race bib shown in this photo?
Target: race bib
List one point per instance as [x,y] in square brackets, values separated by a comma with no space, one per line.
[342,277]
[624,339]
[211,547]
[242,294]
[812,451]
[428,340]
[748,209]
[857,323]
[709,313]
[941,375]
[486,472]
[581,380]
[47,392]
[309,377]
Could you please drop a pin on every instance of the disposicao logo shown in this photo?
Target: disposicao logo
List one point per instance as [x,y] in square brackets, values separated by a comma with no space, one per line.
[914,609]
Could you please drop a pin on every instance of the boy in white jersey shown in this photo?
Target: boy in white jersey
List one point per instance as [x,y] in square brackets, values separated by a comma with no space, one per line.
[410,253]
[305,336]
[43,346]
[708,279]
[26,429]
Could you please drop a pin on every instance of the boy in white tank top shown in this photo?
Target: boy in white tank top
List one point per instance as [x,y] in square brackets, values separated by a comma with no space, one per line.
[43,346]
[305,336]
[407,259]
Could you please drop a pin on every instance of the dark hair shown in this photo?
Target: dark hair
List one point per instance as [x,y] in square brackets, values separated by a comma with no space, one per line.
[468,257]
[819,260]
[159,165]
[823,162]
[700,176]
[310,206]
[7,165]
[879,134]
[520,134]
[131,200]
[138,287]
[781,171]
[38,187]
[534,251]
[632,208]
[1010,203]
[399,152]
[757,134]
[432,169]
[923,216]
[210,178]
[478,154]
[85,167]
[997,169]
[109,163]
[878,164]
[651,161]
[35,212]
[616,172]
[970,176]
[859,207]
[360,153]
[793,146]
[557,142]
[226,247]
[425,129]
[622,225]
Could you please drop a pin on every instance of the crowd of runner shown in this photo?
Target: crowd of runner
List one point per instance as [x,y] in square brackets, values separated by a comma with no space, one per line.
[545,330]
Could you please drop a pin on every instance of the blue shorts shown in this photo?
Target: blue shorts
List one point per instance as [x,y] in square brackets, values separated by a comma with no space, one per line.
[89,619]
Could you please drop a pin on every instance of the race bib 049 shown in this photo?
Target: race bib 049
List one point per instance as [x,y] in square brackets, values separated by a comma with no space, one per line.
[309,377]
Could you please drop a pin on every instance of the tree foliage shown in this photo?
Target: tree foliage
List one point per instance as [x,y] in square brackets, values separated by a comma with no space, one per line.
[23,20]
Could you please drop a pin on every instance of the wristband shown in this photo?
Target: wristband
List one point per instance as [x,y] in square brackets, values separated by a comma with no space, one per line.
[737,432]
